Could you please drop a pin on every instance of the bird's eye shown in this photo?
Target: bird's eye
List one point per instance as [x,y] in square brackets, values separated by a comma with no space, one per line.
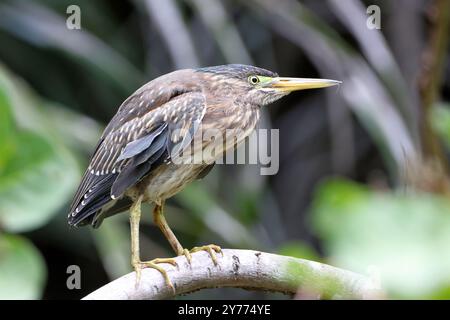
[253,79]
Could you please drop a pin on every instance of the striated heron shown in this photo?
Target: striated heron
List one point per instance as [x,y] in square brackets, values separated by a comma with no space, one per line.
[134,159]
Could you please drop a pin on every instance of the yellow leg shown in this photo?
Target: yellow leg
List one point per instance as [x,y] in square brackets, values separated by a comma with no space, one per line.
[160,221]
[162,224]
[135,216]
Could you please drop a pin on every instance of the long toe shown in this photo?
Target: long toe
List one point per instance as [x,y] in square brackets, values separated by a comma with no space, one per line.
[187,254]
[154,264]
[212,249]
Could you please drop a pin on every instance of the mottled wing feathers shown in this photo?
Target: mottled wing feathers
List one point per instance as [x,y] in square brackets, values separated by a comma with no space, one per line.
[130,149]
[139,145]
[140,164]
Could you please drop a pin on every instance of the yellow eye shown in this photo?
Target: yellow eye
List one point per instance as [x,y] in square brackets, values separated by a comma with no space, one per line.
[253,79]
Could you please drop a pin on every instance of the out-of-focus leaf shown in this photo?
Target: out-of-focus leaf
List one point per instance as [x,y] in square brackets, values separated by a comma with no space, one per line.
[37,173]
[402,238]
[217,20]
[298,250]
[5,116]
[34,183]
[67,124]
[440,121]
[175,34]
[42,27]
[363,90]
[6,128]
[22,269]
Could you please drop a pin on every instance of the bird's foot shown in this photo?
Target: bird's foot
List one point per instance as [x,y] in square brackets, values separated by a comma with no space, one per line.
[154,264]
[187,254]
[212,249]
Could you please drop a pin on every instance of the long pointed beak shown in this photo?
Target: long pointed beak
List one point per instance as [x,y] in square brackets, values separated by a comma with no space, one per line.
[294,84]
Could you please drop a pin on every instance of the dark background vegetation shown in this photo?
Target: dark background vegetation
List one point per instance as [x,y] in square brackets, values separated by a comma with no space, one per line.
[363,168]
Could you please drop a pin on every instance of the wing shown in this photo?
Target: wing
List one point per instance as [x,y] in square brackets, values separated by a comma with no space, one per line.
[130,150]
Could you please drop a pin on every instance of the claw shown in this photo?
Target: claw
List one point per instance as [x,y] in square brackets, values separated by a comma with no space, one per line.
[138,266]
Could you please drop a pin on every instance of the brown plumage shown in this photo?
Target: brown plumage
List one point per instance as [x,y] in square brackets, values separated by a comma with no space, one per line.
[134,160]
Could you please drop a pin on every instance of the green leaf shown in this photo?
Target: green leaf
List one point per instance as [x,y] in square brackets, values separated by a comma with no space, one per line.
[37,173]
[6,120]
[6,128]
[401,238]
[22,269]
[34,183]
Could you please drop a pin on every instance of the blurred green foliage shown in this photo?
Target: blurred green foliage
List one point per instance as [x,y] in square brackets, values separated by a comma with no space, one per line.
[22,269]
[299,250]
[400,238]
[37,177]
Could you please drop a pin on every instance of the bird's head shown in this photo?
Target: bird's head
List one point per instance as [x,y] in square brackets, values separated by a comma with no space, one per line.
[256,85]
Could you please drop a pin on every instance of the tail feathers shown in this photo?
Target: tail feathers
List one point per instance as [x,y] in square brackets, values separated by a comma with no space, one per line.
[116,207]
[94,195]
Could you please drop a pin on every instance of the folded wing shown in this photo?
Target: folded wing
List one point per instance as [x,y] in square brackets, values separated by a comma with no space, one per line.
[129,150]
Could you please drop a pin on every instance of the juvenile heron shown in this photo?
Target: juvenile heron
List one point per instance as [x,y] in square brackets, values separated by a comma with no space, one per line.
[134,159]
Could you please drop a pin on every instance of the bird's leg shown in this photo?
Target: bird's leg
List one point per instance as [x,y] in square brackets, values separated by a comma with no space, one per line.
[161,222]
[135,216]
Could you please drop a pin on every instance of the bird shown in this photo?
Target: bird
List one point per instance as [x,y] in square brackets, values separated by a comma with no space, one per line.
[154,145]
